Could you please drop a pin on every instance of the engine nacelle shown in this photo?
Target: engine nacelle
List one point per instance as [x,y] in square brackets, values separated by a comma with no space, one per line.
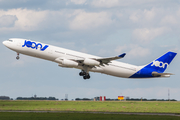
[66,63]
[91,62]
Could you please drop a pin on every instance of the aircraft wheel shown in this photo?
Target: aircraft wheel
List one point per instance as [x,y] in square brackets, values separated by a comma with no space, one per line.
[88,76]
[80,74]
[17,57]
[84,77]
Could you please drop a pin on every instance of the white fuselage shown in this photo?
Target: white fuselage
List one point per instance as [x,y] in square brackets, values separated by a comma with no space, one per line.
[113,68]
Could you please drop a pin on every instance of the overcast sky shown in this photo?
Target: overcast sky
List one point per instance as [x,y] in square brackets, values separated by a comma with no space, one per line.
[144,29]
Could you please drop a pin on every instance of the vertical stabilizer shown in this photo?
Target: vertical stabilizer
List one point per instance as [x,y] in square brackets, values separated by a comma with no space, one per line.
[157,66]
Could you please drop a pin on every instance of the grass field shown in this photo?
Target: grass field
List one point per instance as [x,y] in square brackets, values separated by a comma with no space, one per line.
[79,116]
[109,106]
[85,106]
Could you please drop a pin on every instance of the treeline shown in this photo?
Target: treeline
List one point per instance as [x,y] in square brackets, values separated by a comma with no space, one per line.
[84,99]
[132,99]
[144,99]
[5,98]
[36,98]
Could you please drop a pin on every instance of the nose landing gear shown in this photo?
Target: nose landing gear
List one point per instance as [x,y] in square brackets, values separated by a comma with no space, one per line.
[17,56]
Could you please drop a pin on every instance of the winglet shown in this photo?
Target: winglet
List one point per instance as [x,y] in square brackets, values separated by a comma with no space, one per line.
[122,55]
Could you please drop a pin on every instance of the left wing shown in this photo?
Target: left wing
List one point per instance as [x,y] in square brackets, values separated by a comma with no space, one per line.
[107,60]
[99,61]
[91,62]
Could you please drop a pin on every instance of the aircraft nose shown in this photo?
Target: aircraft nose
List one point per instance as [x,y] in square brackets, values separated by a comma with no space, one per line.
[4,42]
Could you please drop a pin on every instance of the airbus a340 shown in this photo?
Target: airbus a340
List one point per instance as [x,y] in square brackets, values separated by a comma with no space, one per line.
[86,63]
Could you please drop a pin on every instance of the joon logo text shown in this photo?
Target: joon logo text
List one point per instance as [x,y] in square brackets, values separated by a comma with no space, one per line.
[34,45]
[159,64]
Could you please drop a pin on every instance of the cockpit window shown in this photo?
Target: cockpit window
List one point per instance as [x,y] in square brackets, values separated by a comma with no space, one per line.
[10,40]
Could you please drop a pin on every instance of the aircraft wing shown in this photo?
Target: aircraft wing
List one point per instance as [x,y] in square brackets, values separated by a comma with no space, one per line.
[101,60]
[107,60]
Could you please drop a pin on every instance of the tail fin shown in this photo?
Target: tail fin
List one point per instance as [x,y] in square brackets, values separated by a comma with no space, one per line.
[156,67]
[160,64]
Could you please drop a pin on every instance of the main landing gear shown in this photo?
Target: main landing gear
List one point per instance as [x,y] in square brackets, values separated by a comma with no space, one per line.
[17,56]
[84,74]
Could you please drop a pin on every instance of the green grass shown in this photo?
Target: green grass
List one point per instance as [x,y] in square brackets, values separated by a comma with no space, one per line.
[79,116]
[108,106]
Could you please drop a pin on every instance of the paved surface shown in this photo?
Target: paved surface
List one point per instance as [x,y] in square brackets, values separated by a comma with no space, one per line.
[127,113]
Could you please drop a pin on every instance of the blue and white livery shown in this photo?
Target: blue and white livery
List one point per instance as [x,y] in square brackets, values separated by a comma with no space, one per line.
[86,63]
[34,45]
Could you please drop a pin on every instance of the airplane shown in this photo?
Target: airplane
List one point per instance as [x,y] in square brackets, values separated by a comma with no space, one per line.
[90,63]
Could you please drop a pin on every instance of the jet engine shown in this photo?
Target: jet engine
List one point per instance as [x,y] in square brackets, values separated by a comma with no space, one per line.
[91,62]
[66,63]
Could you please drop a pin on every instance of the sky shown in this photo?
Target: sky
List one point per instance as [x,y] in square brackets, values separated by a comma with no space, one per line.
[144,30]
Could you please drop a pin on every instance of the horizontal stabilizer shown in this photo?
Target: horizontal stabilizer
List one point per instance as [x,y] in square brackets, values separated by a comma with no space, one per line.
[155,74]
